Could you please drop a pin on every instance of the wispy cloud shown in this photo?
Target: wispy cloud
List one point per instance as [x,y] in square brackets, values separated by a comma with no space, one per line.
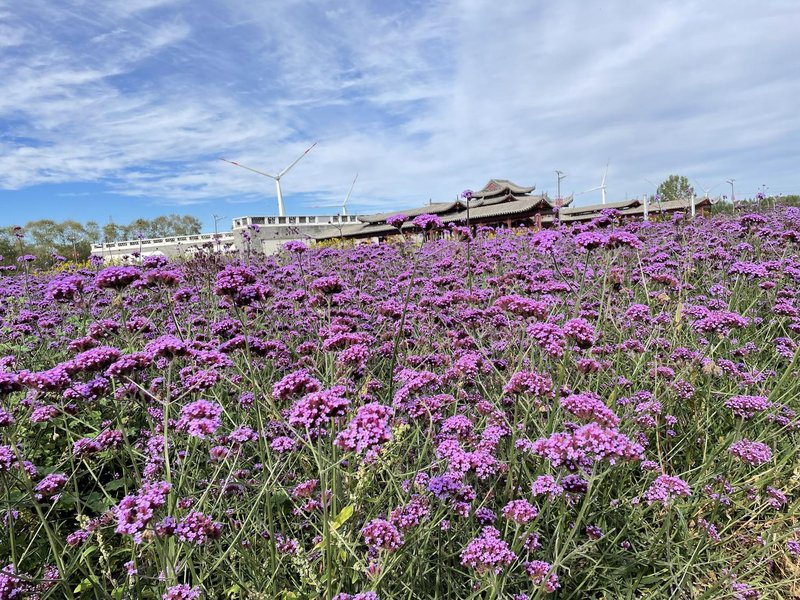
[423,99]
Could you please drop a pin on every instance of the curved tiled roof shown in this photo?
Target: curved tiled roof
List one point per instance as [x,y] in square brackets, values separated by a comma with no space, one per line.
[630,207]
[435,208]
[510,206]
[579,210]
[498,187]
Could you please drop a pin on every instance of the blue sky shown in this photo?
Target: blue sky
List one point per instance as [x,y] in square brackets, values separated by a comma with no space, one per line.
[121,108]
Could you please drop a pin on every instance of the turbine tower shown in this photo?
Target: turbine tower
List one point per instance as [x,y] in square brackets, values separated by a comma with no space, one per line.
[277,178]
[346,198]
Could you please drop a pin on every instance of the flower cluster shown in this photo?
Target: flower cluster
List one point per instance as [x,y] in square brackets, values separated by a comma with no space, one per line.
[397,220]
[487,552]
[587,444]
[747,407]
[196,528]
[380,534]
[751,453]
[200,418]
[542,573]
[116,278]
[529,383]
[427,222]
[665,489]
[368,429]
[520,511]
[314,410]
[590,407]
[135,512]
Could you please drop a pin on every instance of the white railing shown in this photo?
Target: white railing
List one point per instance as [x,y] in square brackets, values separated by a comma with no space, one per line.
[192,240]
[293,221]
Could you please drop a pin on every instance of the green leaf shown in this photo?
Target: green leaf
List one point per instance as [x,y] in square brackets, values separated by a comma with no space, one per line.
[86,584]
[343,516]
[115,484]
[278,498]
[88,551]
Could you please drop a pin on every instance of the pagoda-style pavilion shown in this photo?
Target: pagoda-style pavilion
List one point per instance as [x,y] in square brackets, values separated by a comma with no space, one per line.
[500,203]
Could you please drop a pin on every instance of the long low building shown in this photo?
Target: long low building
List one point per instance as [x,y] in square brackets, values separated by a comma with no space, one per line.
[501,203]
[635,209]
[170,246]
[259,234]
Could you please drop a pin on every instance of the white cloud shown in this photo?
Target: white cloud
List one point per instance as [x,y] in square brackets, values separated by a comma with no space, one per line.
[422,100]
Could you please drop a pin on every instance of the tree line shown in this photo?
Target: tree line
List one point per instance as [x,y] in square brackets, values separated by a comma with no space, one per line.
[677,187]
[72,240]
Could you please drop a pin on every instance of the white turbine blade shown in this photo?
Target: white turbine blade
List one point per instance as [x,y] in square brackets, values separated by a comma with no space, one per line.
[286,170]
[603,183]
[346,198]
[248,168]
[591,190]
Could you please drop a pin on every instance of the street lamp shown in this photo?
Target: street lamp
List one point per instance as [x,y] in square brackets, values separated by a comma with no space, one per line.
[466,195]
[74,248]
[733,196]
[560,175]
[217,219]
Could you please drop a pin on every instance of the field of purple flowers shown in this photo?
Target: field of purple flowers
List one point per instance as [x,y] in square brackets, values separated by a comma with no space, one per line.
[601,411]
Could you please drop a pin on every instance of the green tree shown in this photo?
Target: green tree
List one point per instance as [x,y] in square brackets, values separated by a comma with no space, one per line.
[74,240]
[138,228]
[8,245]
[111,233]
[675,187]
[185,225]
[67,238]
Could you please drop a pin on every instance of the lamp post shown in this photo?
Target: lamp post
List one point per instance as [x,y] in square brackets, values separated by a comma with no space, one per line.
[217,219]
[560,175]
[466,195]
[72,239]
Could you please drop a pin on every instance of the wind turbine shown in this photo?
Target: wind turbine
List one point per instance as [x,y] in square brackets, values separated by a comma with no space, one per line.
[346,198]
[601,187]
[344,202]
[706,190]
[277,177]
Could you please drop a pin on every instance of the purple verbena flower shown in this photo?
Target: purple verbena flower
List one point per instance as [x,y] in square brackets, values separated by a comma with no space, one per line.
[487,552]
[665,489]
[751,453]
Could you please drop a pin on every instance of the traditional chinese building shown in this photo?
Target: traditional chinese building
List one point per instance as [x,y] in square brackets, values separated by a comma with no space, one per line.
[500,203]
